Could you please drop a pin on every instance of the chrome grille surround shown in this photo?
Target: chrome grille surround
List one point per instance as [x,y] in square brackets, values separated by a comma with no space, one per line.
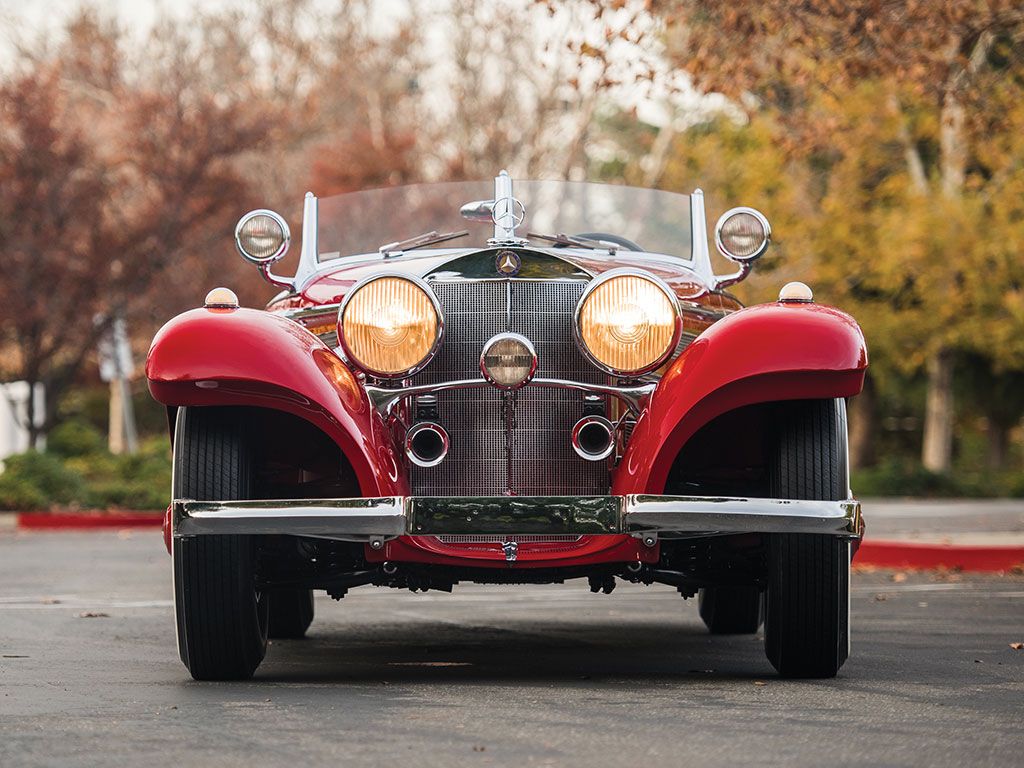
[541,460]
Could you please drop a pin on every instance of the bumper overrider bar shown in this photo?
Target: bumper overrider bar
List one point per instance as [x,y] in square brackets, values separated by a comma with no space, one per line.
[375,520]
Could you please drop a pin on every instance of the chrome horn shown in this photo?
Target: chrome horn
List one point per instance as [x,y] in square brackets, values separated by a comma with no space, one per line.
[426,444]
[593,438]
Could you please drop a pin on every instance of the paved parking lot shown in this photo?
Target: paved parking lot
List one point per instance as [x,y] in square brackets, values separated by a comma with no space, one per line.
[493,676]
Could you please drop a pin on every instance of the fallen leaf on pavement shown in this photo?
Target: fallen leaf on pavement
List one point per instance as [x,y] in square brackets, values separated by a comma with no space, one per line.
[760,682]
[880,597]
[1017,646]
[898,577]
[93,615]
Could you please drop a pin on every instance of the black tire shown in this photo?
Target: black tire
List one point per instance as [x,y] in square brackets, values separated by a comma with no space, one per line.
[291,613]
[221,618]
[731,610]
[808,593]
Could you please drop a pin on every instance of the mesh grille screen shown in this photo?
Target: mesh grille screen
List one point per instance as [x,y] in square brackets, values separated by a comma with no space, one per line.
[542,461]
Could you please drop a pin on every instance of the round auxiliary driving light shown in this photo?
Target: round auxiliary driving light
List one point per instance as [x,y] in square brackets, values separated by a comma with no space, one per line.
[508,361]
[262,237]
[627,322]
[742,235]
[390,326]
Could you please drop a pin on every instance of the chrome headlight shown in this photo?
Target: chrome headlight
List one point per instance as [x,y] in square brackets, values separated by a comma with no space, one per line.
[262,237]
[742,235]
[390,325]
[627,322]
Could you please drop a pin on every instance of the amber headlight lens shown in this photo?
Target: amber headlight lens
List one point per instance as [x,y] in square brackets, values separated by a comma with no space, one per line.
[628,323]
[390,326]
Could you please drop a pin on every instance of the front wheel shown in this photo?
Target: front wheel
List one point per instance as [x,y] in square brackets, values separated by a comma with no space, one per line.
[221,616]
[807,600]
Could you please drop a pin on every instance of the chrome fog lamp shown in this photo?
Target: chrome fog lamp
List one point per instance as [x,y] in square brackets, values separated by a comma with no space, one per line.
[508,361]
[262,237]
[742,235]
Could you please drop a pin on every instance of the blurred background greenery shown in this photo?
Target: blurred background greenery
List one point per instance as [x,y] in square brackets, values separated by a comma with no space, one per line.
[885,142]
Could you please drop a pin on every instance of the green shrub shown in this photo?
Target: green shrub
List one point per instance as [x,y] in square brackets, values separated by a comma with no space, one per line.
[75,437]
[88,478]
[905,478]
[18,494]
[41,480]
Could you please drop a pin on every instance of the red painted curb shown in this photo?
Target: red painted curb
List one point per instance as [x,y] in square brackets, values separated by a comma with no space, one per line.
[904,554]
[85,520]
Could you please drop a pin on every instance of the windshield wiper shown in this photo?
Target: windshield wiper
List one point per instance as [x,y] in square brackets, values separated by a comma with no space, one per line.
[577,242]
[427,238]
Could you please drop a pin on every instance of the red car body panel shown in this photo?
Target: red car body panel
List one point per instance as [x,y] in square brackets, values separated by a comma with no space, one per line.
[209,357]
[762,354]
[257,358]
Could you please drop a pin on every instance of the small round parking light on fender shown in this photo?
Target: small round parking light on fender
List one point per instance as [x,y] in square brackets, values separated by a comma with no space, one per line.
[796,293]
[221,298]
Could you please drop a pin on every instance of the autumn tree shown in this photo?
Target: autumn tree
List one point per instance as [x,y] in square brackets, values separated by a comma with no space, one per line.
[110,192]
[928,59]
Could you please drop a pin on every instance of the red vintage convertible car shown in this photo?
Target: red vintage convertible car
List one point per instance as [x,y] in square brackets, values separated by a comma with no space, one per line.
[561,389]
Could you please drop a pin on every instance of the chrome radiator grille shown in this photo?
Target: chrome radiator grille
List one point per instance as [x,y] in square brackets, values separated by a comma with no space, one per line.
[541,461]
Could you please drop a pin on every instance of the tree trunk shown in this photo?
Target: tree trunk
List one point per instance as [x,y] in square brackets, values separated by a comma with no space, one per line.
[937,451]
[35,429]
[862,415]
[998,444]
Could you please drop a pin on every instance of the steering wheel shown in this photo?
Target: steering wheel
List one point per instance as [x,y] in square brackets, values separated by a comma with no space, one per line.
[629,245]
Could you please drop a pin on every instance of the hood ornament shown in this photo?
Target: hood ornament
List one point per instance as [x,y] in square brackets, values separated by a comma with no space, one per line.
[505,211]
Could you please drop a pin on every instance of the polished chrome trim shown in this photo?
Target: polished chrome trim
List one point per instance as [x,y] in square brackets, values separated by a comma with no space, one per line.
[611,275]
[347,519]
[746,263]
[423,286]
[634,396]
[505,214]
[377,519]
[670,516]
[426,426]
[609,430]
[700,254]
[515,337]
[327,310]
[309,256]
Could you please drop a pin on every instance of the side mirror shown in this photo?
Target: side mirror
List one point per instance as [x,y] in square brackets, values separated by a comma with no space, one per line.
[742,235]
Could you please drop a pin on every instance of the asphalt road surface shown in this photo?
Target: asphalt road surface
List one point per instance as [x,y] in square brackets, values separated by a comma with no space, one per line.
[494,676]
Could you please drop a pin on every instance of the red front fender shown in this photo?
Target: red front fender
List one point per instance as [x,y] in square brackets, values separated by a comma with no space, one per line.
[765,353]
[251,357]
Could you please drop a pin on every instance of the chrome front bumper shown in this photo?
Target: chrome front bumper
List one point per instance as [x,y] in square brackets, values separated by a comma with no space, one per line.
[376,520]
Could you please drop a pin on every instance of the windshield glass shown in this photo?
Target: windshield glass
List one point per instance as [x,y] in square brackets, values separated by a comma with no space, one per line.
[361,222]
